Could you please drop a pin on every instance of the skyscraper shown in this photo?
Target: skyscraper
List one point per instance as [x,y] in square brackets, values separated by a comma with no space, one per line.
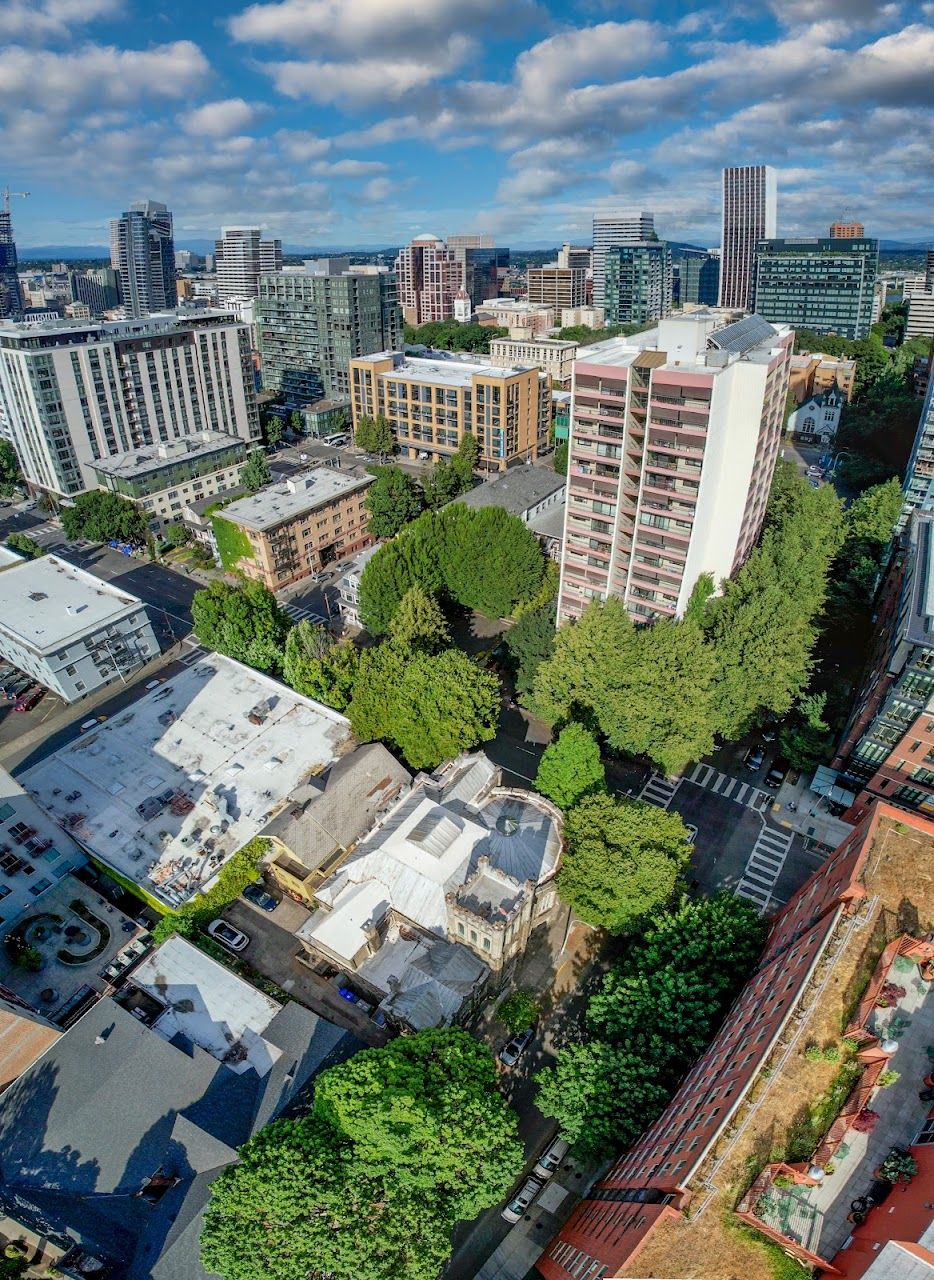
[697,277]
[750,214]
[674,437]
[847,230]
[310,324]
[616,228]
[11,297]
[637,282]
[142,252]
[478,261]
[821,284]
[241,256]
[919,478]
[556,286]
[427,277]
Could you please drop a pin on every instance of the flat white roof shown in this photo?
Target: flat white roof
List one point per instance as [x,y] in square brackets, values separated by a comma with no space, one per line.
[165,453]
[45,603]
[450,372]
[683,338]
[169,788]
[209,1005]
[291,498]
[8,558]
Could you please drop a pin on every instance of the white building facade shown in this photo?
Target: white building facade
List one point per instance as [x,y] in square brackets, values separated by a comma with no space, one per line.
[69,630]
[72,393]
[609,229]
[817,419]
[241,256]
[749,214]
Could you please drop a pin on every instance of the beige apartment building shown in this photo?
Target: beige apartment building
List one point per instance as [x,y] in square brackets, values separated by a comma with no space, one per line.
[557,287]
[813,372]
[554,357]
[432,402]
[301,525]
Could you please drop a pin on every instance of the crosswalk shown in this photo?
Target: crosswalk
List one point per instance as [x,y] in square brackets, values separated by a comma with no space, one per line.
[660,790]
[298,614]
[721,784]
[764,866]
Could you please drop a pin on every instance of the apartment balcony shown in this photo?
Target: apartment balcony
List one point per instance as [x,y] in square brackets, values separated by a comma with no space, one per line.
[685,402]
[676,446]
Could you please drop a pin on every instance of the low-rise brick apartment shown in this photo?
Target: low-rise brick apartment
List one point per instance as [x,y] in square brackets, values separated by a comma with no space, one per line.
[432,401]
[662,1208]
[674,437]
[301,525]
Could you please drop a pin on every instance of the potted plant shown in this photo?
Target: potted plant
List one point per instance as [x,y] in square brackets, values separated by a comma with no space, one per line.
[866,1120]
[898,1166]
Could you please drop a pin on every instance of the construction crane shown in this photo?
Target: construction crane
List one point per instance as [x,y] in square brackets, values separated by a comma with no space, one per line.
[6,194]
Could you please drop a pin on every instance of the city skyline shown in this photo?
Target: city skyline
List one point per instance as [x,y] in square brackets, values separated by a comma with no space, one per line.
[325,124]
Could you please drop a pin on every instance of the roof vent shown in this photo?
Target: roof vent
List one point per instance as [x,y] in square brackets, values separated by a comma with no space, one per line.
[38,595]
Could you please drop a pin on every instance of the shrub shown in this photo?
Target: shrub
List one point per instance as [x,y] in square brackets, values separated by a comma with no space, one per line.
[887,1079]
[198,912]
[831,1053]
[518,1011]
[898,1166]
[866,1121]
[813,1053]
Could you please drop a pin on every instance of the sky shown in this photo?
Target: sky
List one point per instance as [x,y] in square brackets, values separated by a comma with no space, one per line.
[358,122]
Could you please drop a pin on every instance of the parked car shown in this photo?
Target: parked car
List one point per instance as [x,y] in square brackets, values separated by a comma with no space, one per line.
[229,937]
[754,757]
[26,701]
[513,1050]
[15,687]
[692,832]
[522,1199]
[550,1159]
[778,772]
[92,723]
[260,897]
[815,472]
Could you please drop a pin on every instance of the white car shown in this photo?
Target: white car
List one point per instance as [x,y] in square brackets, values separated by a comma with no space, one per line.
[550,1159]
[522,1199]
[229,937]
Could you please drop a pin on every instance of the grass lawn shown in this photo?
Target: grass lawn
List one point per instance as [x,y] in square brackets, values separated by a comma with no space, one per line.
[232,543]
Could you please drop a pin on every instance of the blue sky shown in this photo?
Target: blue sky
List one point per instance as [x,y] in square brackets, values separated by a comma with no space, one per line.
[369,121]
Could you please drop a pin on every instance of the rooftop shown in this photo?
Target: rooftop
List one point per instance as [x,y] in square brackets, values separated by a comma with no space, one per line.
[166,453]
[705,339]
[551,344]
[9,558]
[204,1003]
[442,370]
[45,603]
[169,788]
[516,490]
[88,331]
[919,582]
[280,503]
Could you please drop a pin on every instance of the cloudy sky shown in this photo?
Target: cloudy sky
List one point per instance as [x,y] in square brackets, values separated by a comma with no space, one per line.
[368,121]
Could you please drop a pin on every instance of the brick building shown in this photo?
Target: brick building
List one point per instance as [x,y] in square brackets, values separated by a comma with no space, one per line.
[301,525]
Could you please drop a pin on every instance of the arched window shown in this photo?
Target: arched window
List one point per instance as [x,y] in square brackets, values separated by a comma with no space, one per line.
[808,424]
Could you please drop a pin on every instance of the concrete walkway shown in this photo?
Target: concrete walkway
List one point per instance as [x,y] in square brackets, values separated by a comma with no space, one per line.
[804,811]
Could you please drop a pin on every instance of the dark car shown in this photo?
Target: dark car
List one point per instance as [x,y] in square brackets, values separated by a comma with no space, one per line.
[778,772]
[513,1050]
[258,895]
[18,686]
[754,757]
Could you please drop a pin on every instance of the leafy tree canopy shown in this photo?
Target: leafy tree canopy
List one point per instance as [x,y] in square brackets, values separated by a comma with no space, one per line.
[317,667]
[624,859]
[10,472]
[393,501]
[560,458]
[419,623]
[24,545]
[243,622]
[104,517]
[255,471]
[176,535]
[451,335]
[374,435]
[530,643]
[571,767]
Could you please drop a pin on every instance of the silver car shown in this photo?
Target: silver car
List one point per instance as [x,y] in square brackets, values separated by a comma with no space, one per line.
[229,937]
[550,1159]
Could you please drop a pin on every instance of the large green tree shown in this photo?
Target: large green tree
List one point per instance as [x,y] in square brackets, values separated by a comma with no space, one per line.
[317,667]
[244,622]
[419,622]
[374,435]
[430,707]
[648,689]
[104,517]
[530,643]
[255,471]
[411,559]
[402,1143]
[393,501]
[490,560]
[571,767]
[23,545]
[10,473]
[623,860]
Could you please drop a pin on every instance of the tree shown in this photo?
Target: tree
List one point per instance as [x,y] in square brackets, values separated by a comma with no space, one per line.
[465,460]
[243,622]
[530,643]
[402,1143]
[560,458]
[374,435]
[571,767]
[104,517]
[413,558]
[806,739]
[255,471]
[518,1011]
[393,501]
[491,560]
[177,534]
[601,1096]
[318,668]
[429,707]
[419,623]
[648,689]
[296,422]
[443,483]
[451,335]
[10,472]
[623,860]
[23,545]
[274,427]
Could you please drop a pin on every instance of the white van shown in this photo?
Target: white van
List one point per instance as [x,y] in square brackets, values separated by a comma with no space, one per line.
[550,1159]
[522,1199]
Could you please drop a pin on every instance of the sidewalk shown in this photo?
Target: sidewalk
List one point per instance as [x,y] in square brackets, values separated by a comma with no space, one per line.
[804,811]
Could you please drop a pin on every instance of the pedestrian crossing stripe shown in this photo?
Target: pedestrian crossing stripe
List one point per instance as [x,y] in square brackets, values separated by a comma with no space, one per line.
[764,866]
[660,790]
[729,788]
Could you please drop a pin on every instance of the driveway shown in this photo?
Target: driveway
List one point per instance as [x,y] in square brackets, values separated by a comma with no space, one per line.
[273,951]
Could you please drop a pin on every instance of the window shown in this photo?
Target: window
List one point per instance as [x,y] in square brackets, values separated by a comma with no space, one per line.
[473,935]
[40,887]
[486,944]
[460,928]
[6,811]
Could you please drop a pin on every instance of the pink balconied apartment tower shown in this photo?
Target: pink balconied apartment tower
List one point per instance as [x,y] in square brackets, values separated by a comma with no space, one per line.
[674,437]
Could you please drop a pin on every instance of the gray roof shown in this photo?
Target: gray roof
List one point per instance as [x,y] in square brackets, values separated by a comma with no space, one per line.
[515,490]
[332,812]
[111,1102]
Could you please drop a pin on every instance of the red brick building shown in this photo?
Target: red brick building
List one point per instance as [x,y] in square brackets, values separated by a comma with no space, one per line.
[653,1180]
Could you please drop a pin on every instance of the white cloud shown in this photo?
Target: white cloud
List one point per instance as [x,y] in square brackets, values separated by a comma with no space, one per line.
[100,74]
[348,168]
[368,80]
[301,146]
[219,119]
[377,190]
[51,19]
